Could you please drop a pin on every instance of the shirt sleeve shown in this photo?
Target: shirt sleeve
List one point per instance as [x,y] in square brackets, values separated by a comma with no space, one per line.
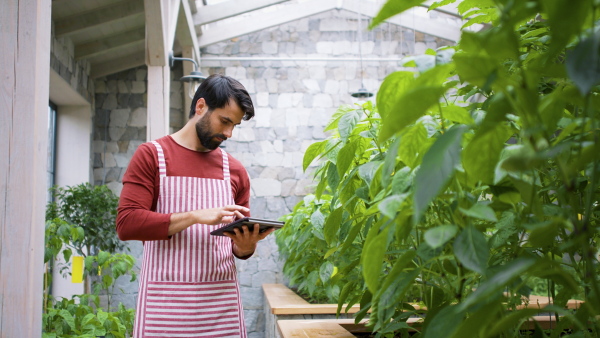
[136,216]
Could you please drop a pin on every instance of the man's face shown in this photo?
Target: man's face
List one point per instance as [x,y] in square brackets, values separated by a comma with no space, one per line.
[216,126]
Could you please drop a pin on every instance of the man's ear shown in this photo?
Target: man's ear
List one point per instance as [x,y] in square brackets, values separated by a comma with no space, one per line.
[201,107]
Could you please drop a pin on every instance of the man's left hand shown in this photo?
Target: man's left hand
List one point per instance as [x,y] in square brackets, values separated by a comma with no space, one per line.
[244,242]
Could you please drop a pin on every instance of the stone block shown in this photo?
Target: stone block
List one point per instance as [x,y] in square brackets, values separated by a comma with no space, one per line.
[322,101]
[99,86]
[108,160]
[115,133]
[288,187]
[141,74]
[123,87]
[115,187]
[317,72]
[119,117]
[305,187]
[269,47]
[262,117]
[265,277]
[324,47]
[332,87]
[293,159]
[252,297]
[243,134]
[284,100]
[420,48]
[262,99]
[272,85]
[110,102]
[341,48]
[265,187]
[138,118]
[122,159]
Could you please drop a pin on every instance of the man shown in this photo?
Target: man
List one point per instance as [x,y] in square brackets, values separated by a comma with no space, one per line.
[176,190]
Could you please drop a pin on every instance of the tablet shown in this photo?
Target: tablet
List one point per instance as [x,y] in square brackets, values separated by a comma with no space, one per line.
[248,221]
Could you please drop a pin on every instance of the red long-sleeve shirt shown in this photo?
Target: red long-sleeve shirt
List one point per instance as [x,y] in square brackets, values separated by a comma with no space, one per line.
[136,218]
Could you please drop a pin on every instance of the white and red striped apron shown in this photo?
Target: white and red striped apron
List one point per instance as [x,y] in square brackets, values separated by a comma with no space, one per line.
[188,284]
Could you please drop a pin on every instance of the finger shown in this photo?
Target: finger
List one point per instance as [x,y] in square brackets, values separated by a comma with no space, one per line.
[267,233]
[238,214]
[245,230]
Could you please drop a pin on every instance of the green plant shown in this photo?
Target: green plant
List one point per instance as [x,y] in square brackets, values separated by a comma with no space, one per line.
[93,208]
[478,180]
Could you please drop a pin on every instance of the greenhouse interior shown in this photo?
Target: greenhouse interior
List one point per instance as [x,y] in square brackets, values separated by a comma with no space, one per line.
[422,168]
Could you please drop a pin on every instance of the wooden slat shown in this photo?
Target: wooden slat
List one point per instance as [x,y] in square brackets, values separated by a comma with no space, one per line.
[187,52]
[313,328]
[172,15]
[24,60]
[230,8]
[114,66]
[103,16]
[110,43]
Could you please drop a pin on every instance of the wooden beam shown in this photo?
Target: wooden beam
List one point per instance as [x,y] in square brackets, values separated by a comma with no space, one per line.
[230,8]
[110,43]
[120,64]
[93,19]
[25,74]
[190,53]
[173,14]
[192,6]
[156,32]
[290,13]
[409,19]
[186,32]
[159,80]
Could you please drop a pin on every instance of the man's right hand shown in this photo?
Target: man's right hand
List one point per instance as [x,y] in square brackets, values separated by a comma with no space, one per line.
[226,214]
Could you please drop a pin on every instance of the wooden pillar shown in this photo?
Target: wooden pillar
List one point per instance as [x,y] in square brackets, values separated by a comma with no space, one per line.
[187,52]
[159,78]
[25,74]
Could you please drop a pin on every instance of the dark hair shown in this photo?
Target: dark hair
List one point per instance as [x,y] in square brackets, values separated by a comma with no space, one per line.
[218,89]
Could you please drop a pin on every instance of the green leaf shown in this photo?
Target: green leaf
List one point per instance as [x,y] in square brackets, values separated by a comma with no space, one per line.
[444,323]
[317,219]
[103,256]
[471,249]
[457,114]
[481,155]
[437,168]
[583,62]
[498,281]
[68,317]
[480,211]
[475,69]
[391,205]
[391,8]
[372,256]
[393,85]
[367,171]
[332,225]
[312,152]
[325,271]
[441,3]
[439,235]
[389,164]
[346,157]
[406,107]
[402,180]
[411,141]
[347,123]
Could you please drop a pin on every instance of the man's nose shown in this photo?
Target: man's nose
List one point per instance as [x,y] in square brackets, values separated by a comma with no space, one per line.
[228,132]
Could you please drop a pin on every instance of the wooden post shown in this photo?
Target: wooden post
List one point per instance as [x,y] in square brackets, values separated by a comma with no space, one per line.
[159,73]
[25,74]
[187,52]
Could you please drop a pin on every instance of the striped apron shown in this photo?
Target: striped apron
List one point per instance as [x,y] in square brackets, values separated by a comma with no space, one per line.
[188,283]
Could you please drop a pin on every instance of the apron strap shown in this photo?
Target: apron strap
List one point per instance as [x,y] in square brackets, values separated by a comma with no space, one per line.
[162,165]
[226,175]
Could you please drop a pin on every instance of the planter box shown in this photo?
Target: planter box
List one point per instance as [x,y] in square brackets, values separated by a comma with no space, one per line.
[288,315]
[284,304]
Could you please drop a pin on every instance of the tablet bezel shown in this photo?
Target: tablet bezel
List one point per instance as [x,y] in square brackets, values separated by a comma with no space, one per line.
[264,224]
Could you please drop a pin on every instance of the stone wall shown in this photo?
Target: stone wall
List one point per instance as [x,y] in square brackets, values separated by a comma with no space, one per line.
[294,99]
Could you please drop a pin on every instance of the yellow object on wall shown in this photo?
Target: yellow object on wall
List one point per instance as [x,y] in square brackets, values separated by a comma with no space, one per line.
[77,269]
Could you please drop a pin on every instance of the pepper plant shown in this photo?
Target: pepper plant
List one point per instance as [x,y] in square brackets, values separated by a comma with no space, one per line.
[476,180]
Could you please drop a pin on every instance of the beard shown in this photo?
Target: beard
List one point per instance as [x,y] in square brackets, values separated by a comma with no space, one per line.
[205,135]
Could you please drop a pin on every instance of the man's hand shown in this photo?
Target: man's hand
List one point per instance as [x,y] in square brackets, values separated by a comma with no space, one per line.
[226,214]
[244,242]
